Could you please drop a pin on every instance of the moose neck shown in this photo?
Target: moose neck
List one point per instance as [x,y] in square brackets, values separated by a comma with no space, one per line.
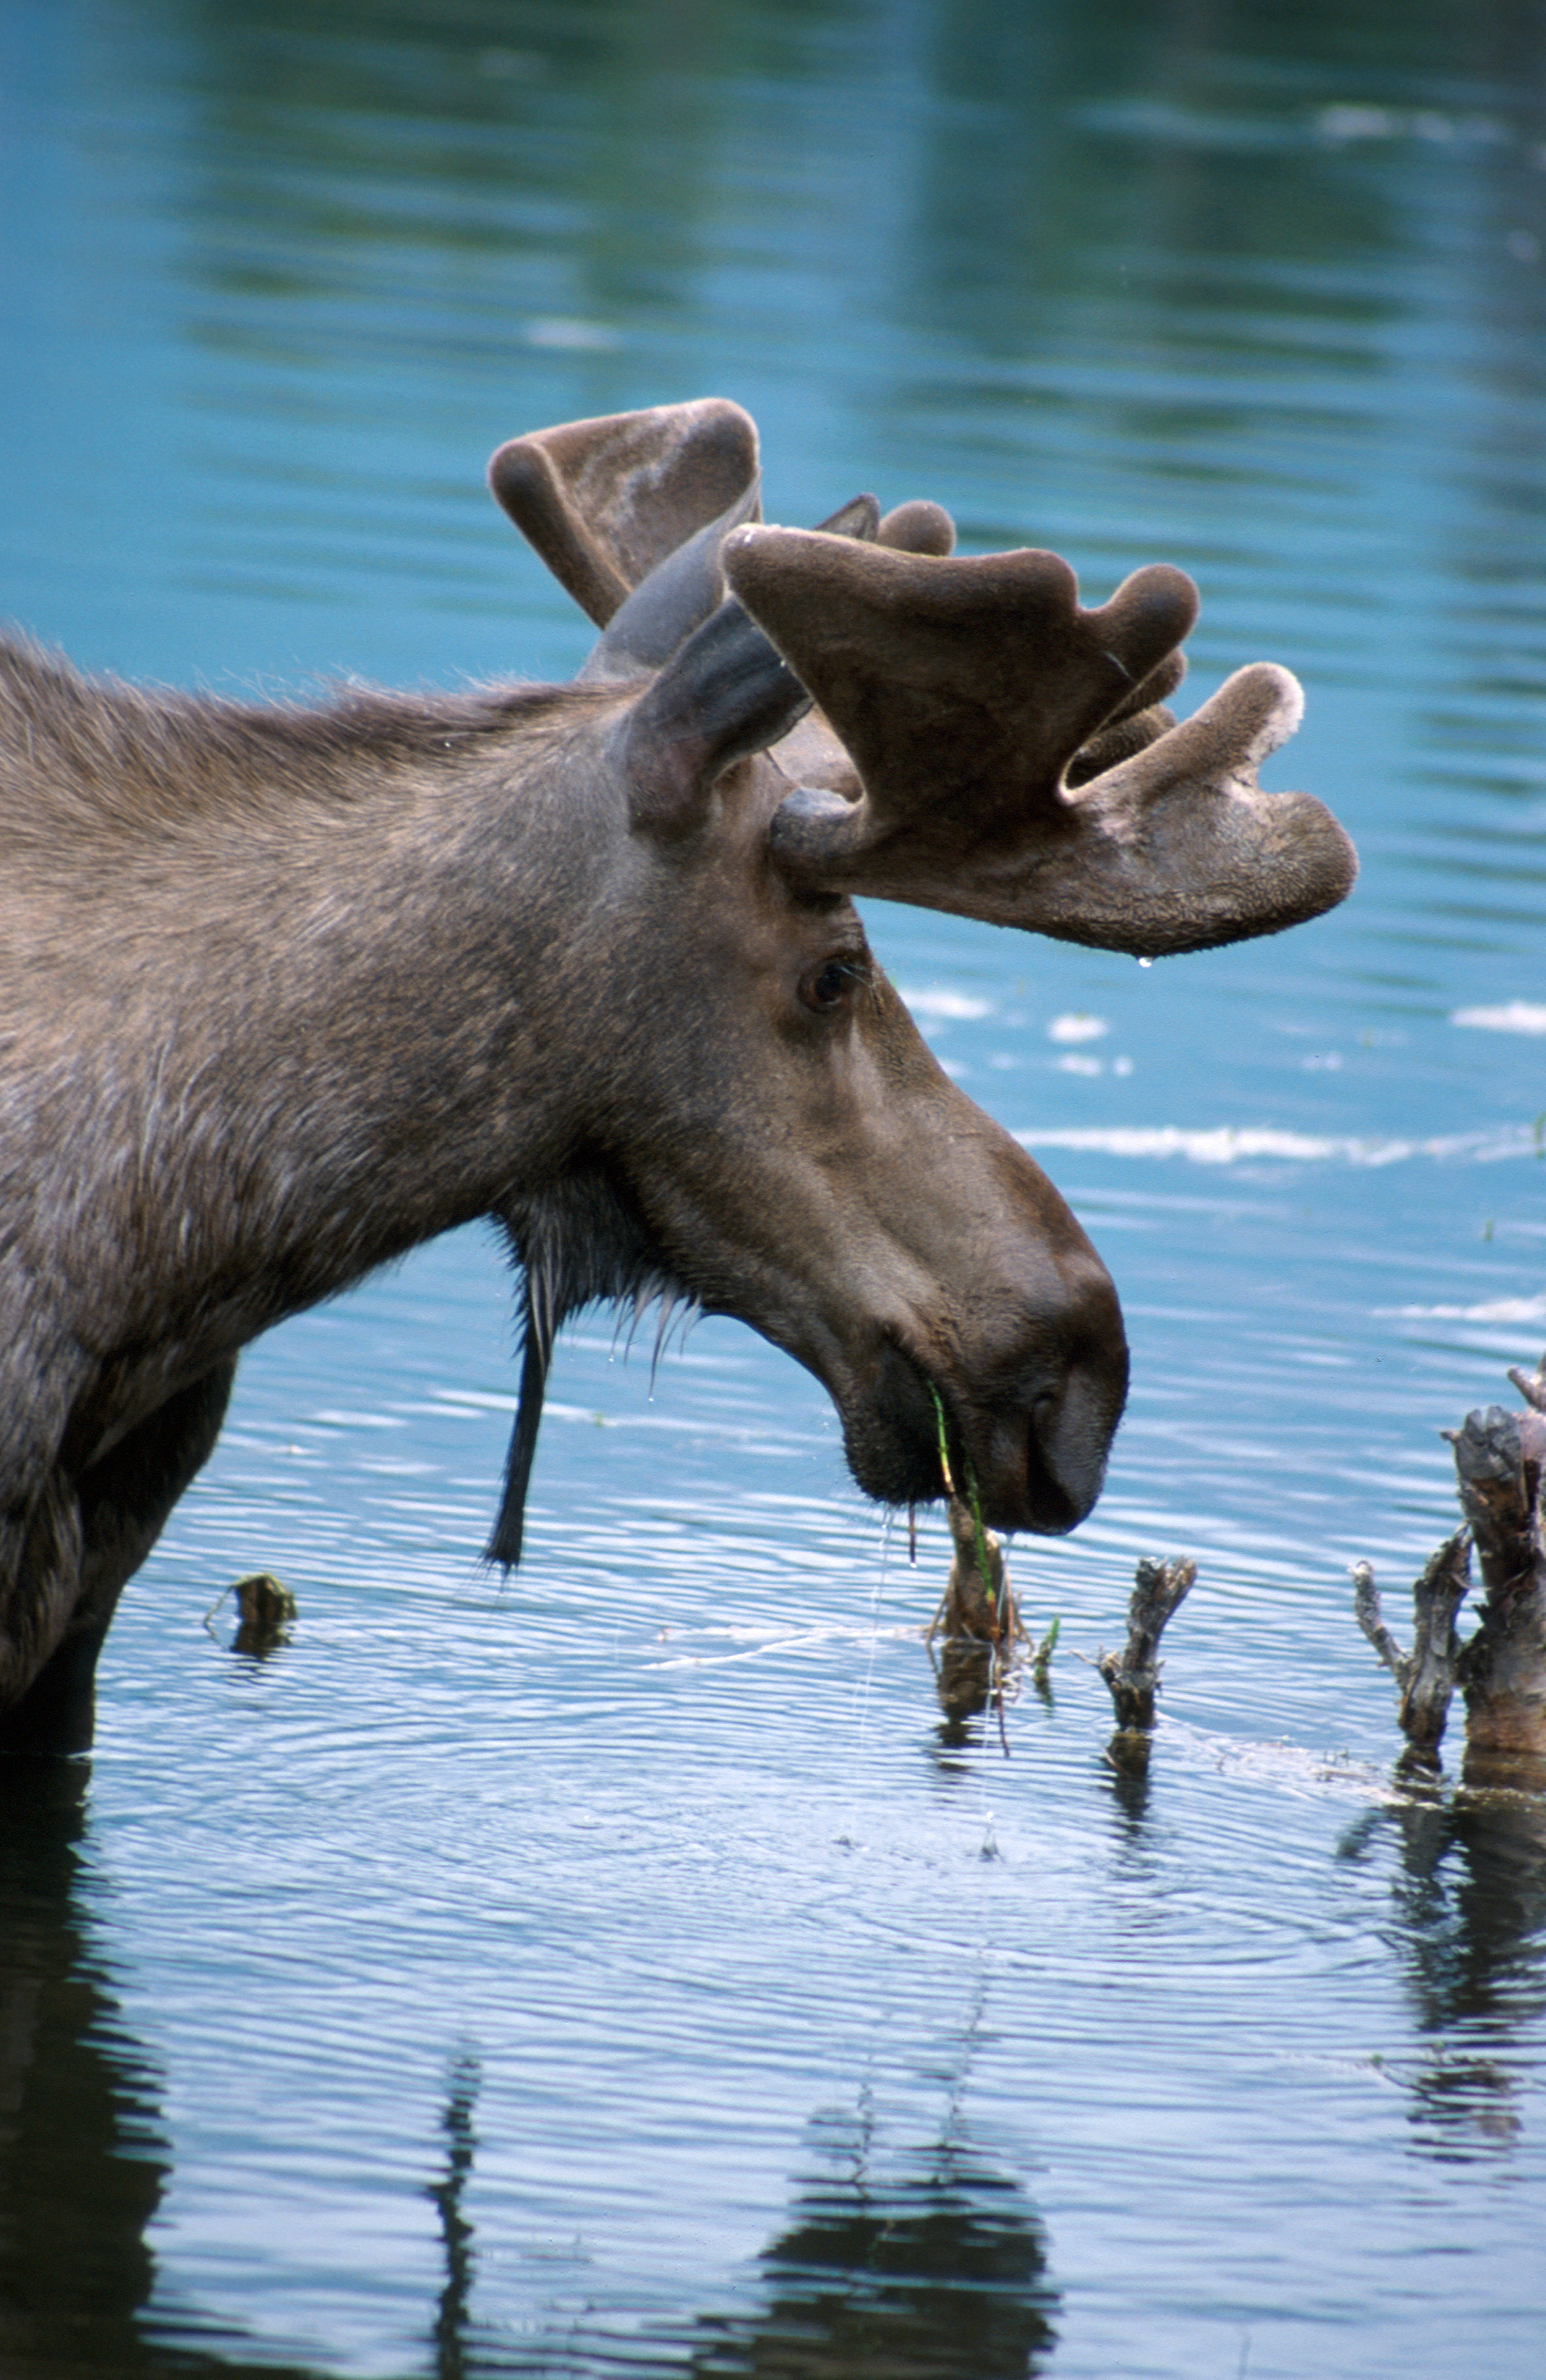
[347,969]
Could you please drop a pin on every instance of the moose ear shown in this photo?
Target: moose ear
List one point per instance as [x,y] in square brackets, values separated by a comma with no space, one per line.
[724,694]
[604,501]
[681,591]
[664,609]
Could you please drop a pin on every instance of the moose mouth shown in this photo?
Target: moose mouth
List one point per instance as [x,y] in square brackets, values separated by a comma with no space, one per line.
[1036,1464]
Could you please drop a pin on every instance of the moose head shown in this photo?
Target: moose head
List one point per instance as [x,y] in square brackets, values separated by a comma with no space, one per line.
[851,710]
[288,991]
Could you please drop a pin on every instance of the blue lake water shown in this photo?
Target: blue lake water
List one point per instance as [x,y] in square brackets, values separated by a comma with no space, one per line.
[630,1969]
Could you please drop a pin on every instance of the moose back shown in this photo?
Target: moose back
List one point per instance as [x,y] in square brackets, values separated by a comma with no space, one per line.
[285,991]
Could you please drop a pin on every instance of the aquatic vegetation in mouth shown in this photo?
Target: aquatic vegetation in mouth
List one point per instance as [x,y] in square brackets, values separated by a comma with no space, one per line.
[973,1499]
[977,1617]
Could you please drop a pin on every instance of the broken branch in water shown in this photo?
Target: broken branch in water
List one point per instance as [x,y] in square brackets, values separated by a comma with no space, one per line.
[1133,1675]
[1500,1461]
[265,1608]
[985,1644]
[1367,1611]
[977,1601]
[1427,1675]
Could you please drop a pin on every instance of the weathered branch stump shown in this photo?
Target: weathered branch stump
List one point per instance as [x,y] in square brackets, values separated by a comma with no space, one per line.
[1427,1675]
[1133,1675]
[1499,1461]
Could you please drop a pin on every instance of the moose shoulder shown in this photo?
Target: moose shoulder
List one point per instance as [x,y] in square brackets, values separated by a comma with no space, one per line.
[283,992]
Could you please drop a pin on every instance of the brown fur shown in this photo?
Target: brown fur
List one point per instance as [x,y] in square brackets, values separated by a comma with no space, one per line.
[287,991]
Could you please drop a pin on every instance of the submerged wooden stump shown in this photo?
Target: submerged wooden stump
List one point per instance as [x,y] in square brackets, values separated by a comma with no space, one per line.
[1499,1461]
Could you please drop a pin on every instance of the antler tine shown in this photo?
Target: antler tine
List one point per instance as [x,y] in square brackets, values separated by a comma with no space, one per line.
[960,688]
[1014,764]
[812,755]
[603,501]
[1180,848]
[919,527]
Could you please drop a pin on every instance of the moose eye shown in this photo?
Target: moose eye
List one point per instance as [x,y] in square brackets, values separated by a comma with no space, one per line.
[830,985]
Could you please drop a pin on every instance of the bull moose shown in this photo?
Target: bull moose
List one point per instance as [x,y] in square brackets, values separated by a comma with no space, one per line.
[285,991]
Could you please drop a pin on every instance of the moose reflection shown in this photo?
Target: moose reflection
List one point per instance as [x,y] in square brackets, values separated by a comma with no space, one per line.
[83,2156]
[927,2267]
[928,2264]
[908,2261]
[289,991]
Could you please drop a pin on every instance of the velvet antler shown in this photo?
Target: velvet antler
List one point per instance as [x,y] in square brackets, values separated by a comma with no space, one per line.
[630,512]
[1013,763]
[604,501]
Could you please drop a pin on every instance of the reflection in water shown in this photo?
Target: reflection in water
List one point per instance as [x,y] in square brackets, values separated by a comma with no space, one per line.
[928,2267]
[456,2232]
[1470,1917]
[79,2178]
[963,1677]
[83,2158]
[1128,1787]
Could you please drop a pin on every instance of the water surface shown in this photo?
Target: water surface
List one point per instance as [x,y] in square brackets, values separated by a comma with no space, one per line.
[632,1970]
